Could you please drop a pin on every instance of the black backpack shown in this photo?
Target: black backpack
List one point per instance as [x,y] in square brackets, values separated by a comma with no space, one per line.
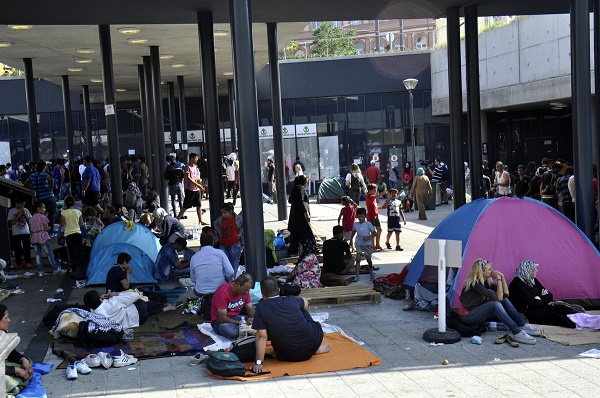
[245,349]
[453,321]
[225,364]
[99,338]
[354,182]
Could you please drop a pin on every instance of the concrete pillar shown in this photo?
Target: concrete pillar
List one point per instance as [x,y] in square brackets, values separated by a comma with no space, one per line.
[34,135]
[87,115]
[159,132]
[182,115]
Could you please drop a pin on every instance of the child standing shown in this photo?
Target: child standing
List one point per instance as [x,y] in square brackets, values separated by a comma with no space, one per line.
[71,222]
[394,212]
[230,226]
[348,217]
[94,223]
[364,232]
[18,218]
[373,213]
[41,240]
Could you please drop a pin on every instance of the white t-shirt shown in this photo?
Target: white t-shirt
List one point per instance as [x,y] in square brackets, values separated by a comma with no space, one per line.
[361,180]
[230,170]
[502,179]
[21,227]
[362,229]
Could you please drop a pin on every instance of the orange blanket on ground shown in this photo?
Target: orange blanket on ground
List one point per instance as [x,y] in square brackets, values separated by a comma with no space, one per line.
[345,354]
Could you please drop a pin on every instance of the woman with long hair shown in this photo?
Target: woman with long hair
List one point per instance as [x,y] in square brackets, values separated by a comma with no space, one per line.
[71,221]
[484,297]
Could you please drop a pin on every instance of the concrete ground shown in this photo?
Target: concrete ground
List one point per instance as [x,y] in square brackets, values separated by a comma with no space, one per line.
[409,365]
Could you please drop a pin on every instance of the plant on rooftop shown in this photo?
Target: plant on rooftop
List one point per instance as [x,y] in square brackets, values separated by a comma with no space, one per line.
[330,41]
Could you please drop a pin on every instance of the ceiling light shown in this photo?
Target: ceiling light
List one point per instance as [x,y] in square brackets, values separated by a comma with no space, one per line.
[501,111]
[162,82]
[558,104]
[96,80]
[227,73]
[4,44]
[20,27]
[129,30]
[137,41]
[120,90]
[85,50]
[75,69]
[83,61]
[557,108]
[177,65]
[167,56]
[220,33]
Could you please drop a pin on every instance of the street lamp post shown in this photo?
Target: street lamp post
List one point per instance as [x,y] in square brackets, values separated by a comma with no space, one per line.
[410,85]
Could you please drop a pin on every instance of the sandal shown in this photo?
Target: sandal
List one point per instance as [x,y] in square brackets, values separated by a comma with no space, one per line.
[501,340]
[511,341]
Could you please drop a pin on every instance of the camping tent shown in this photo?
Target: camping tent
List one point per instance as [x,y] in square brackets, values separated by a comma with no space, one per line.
[140,243]
[507,231]
[330,191]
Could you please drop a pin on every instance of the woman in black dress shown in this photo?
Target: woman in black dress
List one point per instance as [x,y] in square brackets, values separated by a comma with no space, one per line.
[299,221]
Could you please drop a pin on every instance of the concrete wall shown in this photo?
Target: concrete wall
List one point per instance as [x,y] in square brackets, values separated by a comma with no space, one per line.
[523,63]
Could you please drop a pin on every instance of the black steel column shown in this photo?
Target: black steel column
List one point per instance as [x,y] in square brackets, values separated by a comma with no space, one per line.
[66,94]
[144,115]
[87,115]
[597,77]
[243,65]
[152,158]
[172,114]
[277,123]
[182,114]
[232,112]
[455,106]
[110,111]
[34,136]
[582,118]
[210,100]
[159,126]
[473,99]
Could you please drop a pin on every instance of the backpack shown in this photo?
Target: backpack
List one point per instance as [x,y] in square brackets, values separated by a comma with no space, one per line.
[245,349]
[445,173]
[453,321]
[225,364]
[354,183]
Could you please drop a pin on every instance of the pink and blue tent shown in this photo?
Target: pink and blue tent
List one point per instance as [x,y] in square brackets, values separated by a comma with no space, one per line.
[507,231]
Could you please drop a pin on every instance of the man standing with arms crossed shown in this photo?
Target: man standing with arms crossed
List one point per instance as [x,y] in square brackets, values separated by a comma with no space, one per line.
[192,188]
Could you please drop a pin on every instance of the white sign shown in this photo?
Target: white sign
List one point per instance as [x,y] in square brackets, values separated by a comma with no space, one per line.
[184,147]
[394,158]
[288,131]
[176,145]
[376,158]
[109,109]
[265,133]
[389,37]
[358,160]
[167,137]
[306,130]
[226,133]
[131,151]
[195,135]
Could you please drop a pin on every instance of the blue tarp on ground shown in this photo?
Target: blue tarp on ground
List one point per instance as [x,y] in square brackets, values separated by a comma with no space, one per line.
[140,244]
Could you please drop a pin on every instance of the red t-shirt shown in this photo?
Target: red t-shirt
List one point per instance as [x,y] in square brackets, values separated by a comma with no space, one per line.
[373,173]
[348,218]
[224,298]
[229,232]
[372,211]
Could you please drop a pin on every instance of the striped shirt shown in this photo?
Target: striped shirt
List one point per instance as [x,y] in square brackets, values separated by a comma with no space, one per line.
[40,184]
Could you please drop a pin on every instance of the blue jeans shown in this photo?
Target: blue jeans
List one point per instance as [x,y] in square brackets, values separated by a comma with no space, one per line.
[65,190]
[500,310]
[229,330]
[39,247]
[175,190]
[233,253]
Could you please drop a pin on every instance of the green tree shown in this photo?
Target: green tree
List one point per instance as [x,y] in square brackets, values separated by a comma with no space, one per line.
[291,48]
[330,41]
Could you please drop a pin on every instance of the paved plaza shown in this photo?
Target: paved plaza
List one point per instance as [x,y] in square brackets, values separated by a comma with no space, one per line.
[409,365]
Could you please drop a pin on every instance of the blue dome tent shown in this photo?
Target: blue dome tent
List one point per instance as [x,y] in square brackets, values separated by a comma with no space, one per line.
[140,244]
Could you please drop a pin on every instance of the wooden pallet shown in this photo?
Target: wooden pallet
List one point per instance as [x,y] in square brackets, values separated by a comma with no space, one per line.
[340,295]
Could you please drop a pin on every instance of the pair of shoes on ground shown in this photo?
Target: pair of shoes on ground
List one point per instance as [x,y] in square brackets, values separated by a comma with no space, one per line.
[507,338]
[59,271]
[387,244]
[107,360]
[531,330]
[366,267]
[76,368]
[14,289]
[198,359]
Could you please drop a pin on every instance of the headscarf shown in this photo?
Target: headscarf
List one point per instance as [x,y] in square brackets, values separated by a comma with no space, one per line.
[525,272]
[269,238]
[308,247]
[420,171]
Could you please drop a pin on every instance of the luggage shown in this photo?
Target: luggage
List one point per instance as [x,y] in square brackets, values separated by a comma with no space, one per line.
[225,364]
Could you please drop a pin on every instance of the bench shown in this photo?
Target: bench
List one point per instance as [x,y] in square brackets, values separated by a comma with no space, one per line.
[340,295]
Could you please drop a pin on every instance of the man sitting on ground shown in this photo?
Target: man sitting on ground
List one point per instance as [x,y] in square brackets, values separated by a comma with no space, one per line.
[284,320]
[227,302]
[337,260]
[168,263]
[210,267]
[118,278]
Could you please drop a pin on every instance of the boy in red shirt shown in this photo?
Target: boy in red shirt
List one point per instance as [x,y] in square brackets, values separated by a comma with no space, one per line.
[373,213]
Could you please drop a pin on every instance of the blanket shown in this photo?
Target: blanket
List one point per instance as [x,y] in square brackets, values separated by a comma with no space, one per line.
[345,354]
[568,336]
[184,341]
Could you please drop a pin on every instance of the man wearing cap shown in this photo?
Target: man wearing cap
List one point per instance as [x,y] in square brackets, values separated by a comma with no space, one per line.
[91,185]
[168,263]
[548,186]
[373,173]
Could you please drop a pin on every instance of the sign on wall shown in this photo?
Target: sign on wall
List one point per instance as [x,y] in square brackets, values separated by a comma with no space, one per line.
[289,131]
[195,135]
[265,132]
[306,130]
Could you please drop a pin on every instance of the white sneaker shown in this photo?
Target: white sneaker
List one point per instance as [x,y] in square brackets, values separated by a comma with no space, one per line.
[523,337]
[41,274]
[92,361]
[82,368]
[531,330]
[2,276]
[106,359]
[59,271]
[123,360]
[71,372]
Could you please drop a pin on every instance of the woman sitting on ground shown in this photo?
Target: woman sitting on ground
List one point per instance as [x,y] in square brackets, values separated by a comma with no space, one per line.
[18,368]
[168,228]
[531,298]
[483,300]
[307,273]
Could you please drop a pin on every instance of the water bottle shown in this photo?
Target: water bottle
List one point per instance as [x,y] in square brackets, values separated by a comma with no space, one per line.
[243,329]
[195,234]
[492,326]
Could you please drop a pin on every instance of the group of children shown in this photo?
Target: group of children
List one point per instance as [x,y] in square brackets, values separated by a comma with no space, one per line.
[364,235]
